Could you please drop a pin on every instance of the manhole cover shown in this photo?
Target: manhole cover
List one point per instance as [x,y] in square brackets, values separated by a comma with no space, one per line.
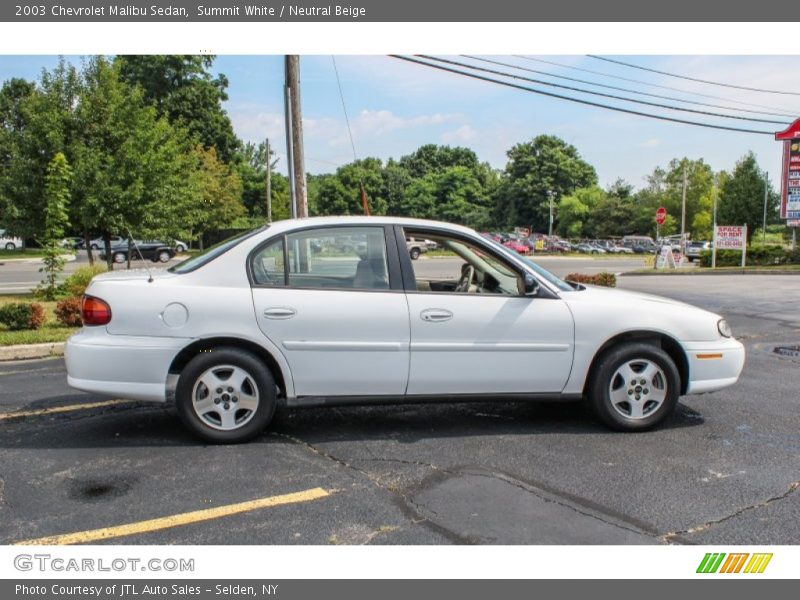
[788,351]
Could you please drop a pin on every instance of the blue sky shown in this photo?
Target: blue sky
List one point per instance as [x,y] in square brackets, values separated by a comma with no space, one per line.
[394,107]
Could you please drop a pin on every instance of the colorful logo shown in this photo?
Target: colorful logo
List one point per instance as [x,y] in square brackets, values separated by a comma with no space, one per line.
[735,562]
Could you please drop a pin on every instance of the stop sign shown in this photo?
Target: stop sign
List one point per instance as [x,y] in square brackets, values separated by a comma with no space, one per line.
[661,215]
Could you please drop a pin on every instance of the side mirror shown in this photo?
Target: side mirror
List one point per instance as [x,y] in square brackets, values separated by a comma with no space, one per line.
[531,286]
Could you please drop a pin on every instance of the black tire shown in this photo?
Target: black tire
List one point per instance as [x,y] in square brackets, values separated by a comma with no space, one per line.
[414,252]
[599,395]
[119,257]
[11,246]
[95,247]
[164,256]
[180,248]
[226,356]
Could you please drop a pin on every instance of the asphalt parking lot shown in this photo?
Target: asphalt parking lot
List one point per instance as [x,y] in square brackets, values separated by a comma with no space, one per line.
[725,469]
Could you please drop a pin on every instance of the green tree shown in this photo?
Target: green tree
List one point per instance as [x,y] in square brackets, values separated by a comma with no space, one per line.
[37,121]
[341,195]
[251,166]
[575,211]
[219,193]
[56,221]
[182,88]
[741,198]
[545,165]
[131,167]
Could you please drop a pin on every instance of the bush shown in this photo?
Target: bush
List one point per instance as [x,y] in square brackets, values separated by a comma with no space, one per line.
[22,315]
[77,282]
[604,279]
[757,256]
[68,312]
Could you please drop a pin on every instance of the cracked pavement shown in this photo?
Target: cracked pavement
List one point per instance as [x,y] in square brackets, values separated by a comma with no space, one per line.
[724,470]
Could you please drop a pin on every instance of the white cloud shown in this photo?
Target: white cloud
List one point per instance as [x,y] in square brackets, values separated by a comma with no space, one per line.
[462,134]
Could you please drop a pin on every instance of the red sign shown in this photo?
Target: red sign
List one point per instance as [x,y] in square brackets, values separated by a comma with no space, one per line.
[790,180]
[661,215]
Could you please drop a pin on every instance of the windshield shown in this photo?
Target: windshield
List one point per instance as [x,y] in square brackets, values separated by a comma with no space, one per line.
[544,274]
[197,261]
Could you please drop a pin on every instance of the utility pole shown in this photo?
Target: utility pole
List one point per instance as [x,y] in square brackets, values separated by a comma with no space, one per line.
[764,221]
[294,137]
[551,194]
[269,184]
[683,213]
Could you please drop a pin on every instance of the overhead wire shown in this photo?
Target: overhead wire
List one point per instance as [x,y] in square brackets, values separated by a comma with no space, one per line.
[784,111]
[620,89]
[705,81]
[509,84]
[601,94]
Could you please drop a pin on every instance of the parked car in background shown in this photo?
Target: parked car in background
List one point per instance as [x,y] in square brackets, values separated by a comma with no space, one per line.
[695,249]
[9,243]
[155,251]
[72,242]
[232,333]
[517,246]
[588,248]
[618,249]
[416,247]
[98,243]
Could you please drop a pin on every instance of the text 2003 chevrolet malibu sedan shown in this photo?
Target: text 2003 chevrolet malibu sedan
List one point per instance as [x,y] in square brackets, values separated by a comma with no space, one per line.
[333,311]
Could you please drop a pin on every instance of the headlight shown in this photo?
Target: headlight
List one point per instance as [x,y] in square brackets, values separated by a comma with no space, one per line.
[724,328]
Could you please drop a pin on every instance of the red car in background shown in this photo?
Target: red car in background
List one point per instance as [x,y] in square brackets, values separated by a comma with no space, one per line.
[517,246]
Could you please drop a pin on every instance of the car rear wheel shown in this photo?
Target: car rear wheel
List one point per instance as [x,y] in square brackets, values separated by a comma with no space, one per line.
[414,253]
[11,246]
[635,387]
[226,396]
[119,257]
[164,256]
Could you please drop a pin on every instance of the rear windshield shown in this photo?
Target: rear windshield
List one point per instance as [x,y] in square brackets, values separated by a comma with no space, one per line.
[197,261]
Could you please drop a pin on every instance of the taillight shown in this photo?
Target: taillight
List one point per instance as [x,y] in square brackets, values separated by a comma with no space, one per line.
[95,311]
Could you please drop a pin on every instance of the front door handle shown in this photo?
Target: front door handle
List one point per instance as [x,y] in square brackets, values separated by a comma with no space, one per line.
[436,315]
[279,312]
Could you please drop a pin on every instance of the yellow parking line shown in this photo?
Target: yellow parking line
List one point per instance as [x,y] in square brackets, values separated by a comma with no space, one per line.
[58,409]
[84,537]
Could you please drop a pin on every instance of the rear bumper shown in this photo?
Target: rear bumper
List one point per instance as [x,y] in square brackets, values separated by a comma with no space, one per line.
[126,366]
[714,365]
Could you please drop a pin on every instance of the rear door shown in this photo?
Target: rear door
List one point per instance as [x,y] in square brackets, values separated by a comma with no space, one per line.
[331,299]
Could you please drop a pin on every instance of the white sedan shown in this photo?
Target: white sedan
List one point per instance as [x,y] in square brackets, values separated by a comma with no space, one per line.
[291,314]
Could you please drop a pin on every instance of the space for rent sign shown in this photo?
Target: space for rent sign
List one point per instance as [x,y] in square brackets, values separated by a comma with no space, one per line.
[730,237]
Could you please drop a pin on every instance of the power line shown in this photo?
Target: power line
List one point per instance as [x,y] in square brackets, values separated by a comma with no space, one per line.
[621,89]
[601,94]
[576,100]
[344,108]
[727,85]
[784,111]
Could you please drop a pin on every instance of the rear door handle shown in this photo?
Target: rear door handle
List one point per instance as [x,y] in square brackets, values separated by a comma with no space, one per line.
[279,312]
[435,315]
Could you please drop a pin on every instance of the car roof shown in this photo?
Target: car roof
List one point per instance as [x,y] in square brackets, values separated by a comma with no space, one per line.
[290,224]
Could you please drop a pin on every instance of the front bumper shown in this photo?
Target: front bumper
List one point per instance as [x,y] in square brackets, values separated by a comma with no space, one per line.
[129,367]
[714,365]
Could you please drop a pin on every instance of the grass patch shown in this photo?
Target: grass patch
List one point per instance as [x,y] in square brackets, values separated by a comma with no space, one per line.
[27,253]
[52,331]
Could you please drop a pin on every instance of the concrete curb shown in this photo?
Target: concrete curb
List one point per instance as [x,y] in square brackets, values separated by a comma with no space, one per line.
[24,351]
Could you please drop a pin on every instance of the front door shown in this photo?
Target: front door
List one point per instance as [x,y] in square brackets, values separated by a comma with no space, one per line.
[325,297]
[473,333]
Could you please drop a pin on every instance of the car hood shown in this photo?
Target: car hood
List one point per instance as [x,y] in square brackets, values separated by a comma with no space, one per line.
[629,310]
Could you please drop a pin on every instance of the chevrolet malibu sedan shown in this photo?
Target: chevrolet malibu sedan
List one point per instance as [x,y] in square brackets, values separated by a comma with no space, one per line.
[290,314]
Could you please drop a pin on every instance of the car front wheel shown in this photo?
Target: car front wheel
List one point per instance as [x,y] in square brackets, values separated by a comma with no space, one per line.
[226,396]
[119,258]
[11,246]
[635,387]
[414,253]
[164,256]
